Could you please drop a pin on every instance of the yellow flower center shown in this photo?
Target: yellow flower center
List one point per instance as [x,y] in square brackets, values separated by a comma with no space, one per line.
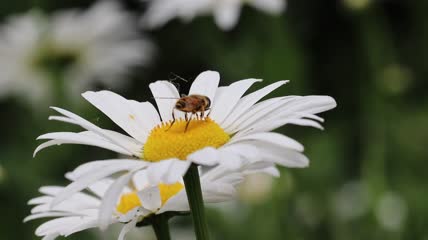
[178,142]
[131,200]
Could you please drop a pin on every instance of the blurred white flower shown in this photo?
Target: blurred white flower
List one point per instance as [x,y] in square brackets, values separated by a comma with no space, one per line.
[351,201]
[357,4]
[226,12]
[256,188]
[71,50]
[391,211]
[128,199]
[2,174]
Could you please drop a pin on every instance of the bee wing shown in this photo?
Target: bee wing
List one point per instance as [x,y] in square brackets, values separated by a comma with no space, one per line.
[166,96]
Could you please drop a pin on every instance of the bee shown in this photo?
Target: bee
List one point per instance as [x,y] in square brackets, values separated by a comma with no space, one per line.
[192,104]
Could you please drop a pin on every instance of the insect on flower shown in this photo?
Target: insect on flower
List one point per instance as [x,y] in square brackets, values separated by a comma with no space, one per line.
[192,104]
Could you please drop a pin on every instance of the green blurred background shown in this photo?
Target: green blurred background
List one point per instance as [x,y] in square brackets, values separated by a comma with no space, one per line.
[367,178]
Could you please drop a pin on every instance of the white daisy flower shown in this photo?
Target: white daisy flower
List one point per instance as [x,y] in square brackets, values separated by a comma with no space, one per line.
[38,52]
[236,132]
[128,199]
[226,12]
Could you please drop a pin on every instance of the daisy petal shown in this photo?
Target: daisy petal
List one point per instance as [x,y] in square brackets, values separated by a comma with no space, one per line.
[272,138]
[91,127]
[166,95]
[50,237]
[206,84]
[47,214]
[269,6]
[283,156]
[226,13]
[258,113]
[59,225]
[89,223]
[127,228]
[137,119]
[89,178]
[167,171]
[94,166]
[207,157]
[110,199]
[227,97]
[40,200]
[178,202]
[85,138]
[150,198]
[249,100]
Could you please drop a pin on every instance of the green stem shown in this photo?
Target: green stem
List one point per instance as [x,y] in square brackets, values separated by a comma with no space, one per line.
[196,203]
[160,225]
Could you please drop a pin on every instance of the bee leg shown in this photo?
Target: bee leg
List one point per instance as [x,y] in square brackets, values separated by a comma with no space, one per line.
[208,115]
[201,115]
[186,117]
[188,122]
[173,120]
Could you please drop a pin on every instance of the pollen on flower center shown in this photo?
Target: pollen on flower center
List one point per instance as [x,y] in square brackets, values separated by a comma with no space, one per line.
[178,142]
[131,200]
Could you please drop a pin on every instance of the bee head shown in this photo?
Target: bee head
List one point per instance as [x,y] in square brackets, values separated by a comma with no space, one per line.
[208,102]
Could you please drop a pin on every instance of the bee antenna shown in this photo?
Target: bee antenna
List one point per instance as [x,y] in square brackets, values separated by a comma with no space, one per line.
[176,76]
[165,97]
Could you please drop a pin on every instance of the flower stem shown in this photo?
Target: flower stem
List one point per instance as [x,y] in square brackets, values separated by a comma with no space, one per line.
[160,225]
[196,203]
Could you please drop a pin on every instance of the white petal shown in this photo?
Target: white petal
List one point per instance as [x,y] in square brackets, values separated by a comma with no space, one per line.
[40,200]
[150,198]
[89,178]
[208,157]
[50,237]
[166,95]
[293,112]
[272,171]
[137,119]
[283,156]
[227,13]
[249,100]
[245,150]
[206,84]
[110,199]
[269,6]
[159,13]
[167,171]
[218,192]
[47,214]
[258,113]
[85,138]
[91,127]
[61,225]
[94,166]
[230,159]
[99,188]
[227,97]
[272,138]
[50,190]
[178,202]
[127,228]
[128,216]
[89,223]
[140,179]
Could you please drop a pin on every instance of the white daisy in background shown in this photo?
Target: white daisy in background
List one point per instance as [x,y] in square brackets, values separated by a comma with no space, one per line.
[78,48]
[226,12]
[128,199]
[237,131]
